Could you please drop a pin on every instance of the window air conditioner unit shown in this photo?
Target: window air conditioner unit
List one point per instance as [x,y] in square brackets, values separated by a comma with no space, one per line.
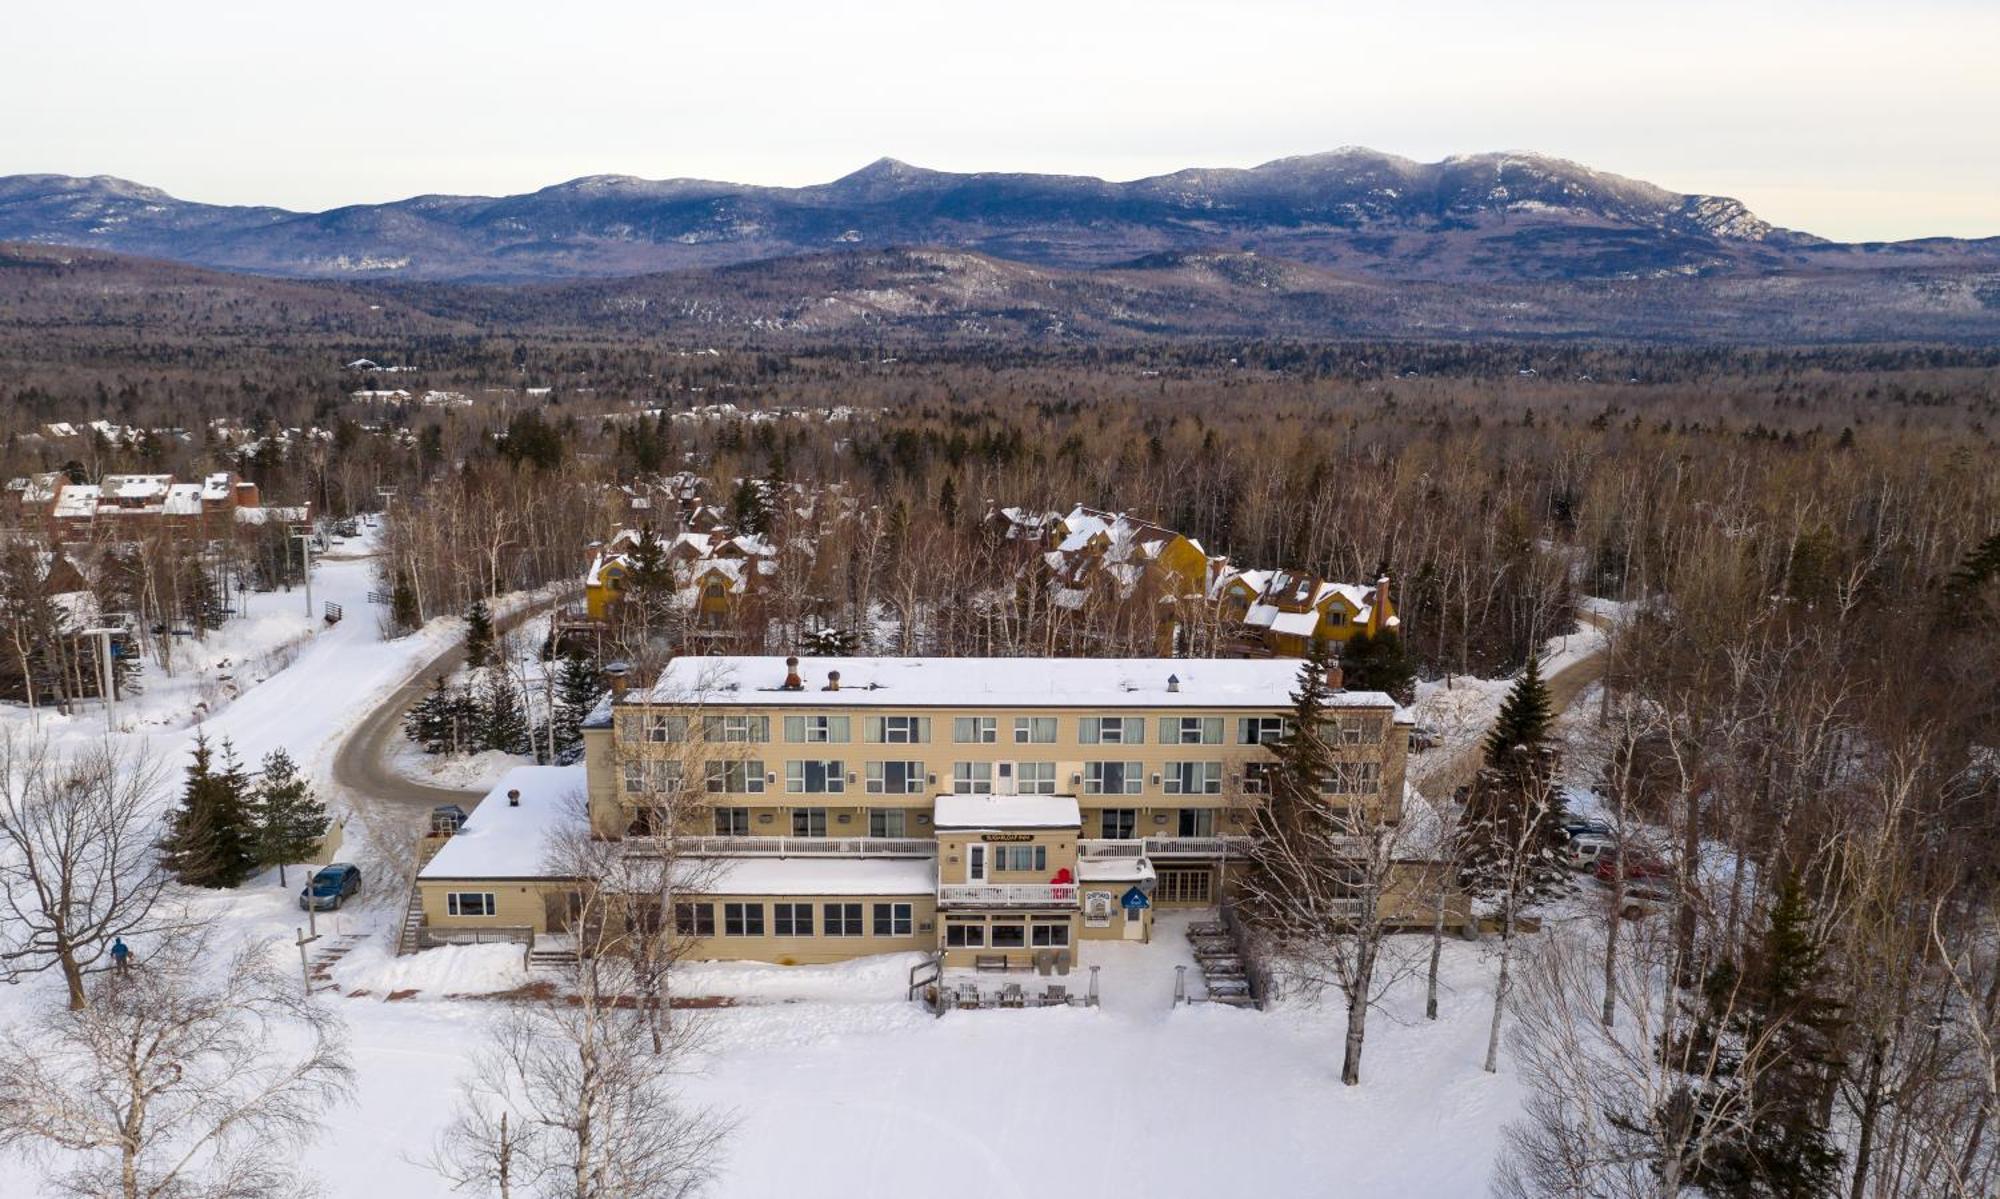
[770,777]
[1156,780]
[850,776]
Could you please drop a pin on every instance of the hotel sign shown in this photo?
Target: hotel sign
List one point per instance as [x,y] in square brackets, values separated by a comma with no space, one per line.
[1006,836]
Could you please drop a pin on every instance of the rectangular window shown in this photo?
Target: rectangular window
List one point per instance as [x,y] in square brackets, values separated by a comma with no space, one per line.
[1035,778]
[843,920]
[1352,730]
[1118,824]
[815,778]
[1194,778]
[656,727]
[898,730]
[1034,730]
[1049,933]
[732,822]
[892,920]
[1111,730]
[742,919]
[1021,857]
[816,730]
[895,778]
[1352,778]
[972,778]
[964,935]
[1260,730]
[736,728]
[975,730]
[1190,730]
[736,778]
[1197,822]
[792,919]
[887,822]
[808,822]
[1112,778]
[1010,935]
[1257,777]
[694,919]
[469,903]
[651,778]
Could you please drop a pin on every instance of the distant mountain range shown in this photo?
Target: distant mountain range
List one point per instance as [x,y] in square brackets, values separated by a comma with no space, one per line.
[1364,215]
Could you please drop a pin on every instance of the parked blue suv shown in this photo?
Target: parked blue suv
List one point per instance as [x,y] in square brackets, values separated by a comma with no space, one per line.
[330,886]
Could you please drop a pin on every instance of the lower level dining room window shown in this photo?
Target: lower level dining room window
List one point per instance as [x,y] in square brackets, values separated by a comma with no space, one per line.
[843,920]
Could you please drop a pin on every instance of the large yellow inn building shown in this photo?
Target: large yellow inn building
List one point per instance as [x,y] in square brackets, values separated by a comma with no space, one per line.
[1001,810]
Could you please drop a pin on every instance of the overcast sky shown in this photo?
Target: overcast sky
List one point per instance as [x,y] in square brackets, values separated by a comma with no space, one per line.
[1852,120]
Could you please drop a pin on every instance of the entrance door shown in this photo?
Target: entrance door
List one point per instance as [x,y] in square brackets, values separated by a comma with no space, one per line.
[1135,924]
[975,864]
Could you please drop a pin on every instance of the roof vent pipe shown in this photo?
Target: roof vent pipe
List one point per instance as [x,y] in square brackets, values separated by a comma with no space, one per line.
[514,797]
[792,680]
[1173,683]
[833,680]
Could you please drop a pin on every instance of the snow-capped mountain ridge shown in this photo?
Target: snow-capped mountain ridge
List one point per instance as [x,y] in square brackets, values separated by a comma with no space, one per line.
[1512,215]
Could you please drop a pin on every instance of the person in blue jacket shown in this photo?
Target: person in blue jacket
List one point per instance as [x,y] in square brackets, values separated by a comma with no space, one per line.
[121,954]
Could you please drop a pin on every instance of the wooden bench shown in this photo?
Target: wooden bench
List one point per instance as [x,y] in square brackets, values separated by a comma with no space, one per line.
[990,963]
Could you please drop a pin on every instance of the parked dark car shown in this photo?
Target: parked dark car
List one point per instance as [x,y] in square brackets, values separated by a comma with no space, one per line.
[330,886]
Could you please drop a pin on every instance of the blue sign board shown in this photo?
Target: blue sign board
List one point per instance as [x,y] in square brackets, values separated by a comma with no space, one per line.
[1134,900]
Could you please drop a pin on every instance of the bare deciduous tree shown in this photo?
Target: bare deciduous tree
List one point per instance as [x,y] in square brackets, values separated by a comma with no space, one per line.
[78,867]
[176,1080]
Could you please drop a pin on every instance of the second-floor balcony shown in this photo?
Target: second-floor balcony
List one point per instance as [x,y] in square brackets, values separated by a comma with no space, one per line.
[1165,847]
[1008,895]
[803,847]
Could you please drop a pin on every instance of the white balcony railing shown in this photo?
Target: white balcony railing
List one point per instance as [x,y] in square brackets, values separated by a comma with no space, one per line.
[1009,894]
[809,847]
[1165,847]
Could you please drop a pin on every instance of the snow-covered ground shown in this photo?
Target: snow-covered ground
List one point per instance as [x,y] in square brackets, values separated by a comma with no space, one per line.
[840,1086]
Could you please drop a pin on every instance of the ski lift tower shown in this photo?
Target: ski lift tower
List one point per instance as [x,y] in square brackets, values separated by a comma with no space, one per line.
[107,675]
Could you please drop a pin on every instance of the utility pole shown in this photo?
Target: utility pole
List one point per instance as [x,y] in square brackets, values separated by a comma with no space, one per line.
[305,547]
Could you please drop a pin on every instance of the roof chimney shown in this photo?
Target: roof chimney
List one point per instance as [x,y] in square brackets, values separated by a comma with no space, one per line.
[619,673]
[832,680]
[514,797]
[1336,679]
[1173,682]
[792,680]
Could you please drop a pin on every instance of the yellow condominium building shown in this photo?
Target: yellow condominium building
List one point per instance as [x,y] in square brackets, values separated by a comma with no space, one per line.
[1001,811]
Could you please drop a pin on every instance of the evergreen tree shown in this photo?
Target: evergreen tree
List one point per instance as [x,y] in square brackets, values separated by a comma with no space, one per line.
[1523,725]
[1514,789]
[579,687]
[446,721]
[1378,662]
[478,635]
[752,515]
[403,604]
[290,819]
[209,838]
[504,726]
[1779,1003]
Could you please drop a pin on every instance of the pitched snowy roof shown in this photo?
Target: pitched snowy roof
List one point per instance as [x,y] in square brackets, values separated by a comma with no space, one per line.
[499,841]
[1006,811]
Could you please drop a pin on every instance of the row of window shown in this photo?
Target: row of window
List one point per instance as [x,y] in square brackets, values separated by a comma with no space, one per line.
[794,919]
[1118,824]
[662,727]
[831,777]
[1006,932]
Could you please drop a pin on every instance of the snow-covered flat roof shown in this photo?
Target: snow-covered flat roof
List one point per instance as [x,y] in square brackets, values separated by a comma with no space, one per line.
[1114,870]
[991,682]
[823,876]
[1006,811]
[499,841]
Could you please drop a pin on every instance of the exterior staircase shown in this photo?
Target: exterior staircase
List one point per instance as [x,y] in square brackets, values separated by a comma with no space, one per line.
[410,938]
[1219,951]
